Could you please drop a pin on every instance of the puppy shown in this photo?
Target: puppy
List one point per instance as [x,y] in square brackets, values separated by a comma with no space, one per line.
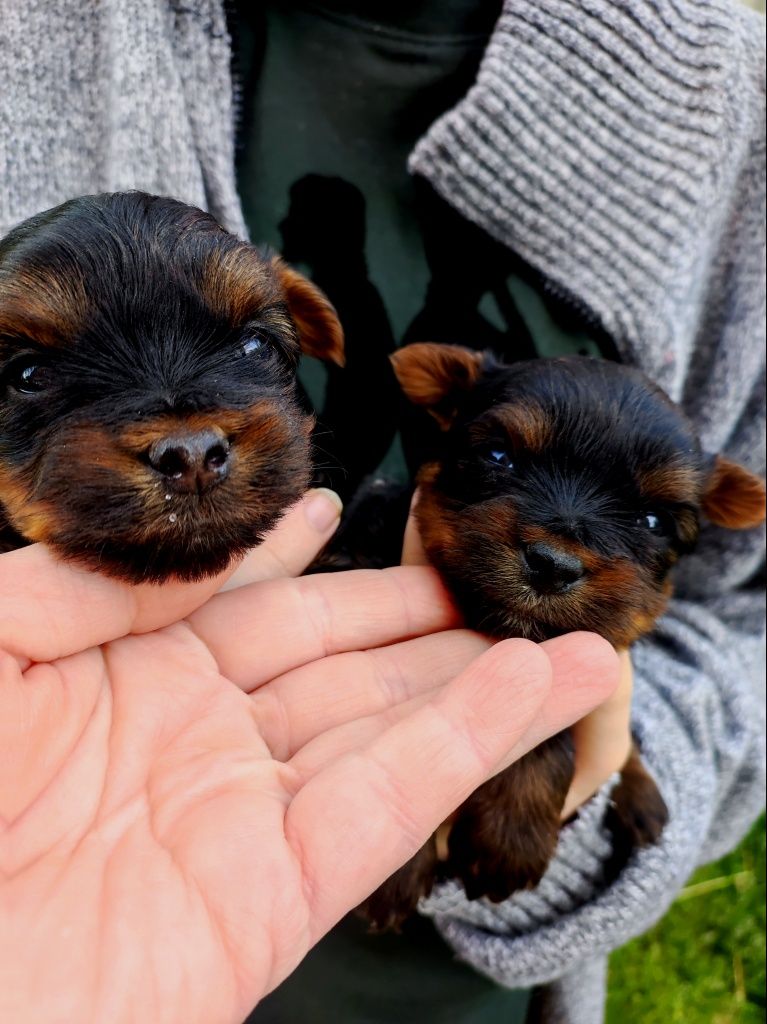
[150,425]
[562,494]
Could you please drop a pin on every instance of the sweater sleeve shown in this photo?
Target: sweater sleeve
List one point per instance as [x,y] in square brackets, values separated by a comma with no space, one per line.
[698,713]
[619,149]
[114,95]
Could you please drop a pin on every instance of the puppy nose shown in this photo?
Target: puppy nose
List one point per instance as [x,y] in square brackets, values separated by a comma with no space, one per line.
[191,461]
[550,570]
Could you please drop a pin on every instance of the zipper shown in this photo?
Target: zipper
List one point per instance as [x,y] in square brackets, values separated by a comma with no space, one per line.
[580,310]
[235,72]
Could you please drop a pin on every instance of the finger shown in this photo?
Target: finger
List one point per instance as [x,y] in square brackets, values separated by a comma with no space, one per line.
[413,552]
[602,741]
[352,736]
[295,541]
[372,810]
[50,609]
[584,671]
[262,631]
[294,708]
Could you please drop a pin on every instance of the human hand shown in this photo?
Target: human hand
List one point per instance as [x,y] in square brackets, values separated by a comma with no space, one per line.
[602,739]
[195,788]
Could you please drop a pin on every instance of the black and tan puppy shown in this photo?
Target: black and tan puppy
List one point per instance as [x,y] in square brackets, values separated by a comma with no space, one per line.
[562,495]
[149,419]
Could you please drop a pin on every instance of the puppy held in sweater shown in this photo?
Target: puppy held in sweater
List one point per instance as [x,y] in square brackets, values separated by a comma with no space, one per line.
[559,497]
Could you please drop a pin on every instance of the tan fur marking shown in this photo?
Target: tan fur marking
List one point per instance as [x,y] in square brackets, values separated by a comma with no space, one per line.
[528,424]
[32,519]
[42,305]
[319,329]
[435,376]
[734,496]
[260,429]
[670,483]
[641,620]
[236,282]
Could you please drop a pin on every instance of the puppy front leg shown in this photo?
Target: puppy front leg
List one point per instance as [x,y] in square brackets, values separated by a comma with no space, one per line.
[637,813]
[505,834]
[394,901]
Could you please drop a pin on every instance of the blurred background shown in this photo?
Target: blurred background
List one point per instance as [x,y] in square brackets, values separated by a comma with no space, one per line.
[705,962]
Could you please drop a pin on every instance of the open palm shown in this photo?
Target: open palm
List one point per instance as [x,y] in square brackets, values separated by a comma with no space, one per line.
[195,786]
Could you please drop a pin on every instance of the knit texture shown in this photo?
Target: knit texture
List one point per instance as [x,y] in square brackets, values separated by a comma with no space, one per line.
[618,147]
[115,95]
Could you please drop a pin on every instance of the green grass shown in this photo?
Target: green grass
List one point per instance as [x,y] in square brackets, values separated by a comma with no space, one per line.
[705,962]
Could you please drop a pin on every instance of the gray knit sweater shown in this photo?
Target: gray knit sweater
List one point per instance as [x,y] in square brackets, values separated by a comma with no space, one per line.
[618,146]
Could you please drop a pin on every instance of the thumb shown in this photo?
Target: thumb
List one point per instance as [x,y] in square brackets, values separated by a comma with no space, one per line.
[412,547]
[296,540]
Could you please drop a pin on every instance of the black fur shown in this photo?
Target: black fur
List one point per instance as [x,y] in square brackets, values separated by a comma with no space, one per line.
[578,452]
[135,309]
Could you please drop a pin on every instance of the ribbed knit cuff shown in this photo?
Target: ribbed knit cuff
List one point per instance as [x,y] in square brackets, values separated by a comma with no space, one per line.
[573,878]
[601,142]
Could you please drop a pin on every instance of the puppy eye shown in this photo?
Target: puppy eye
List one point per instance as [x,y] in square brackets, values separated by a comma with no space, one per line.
[500,457]
[30,378]
[655,522]
[251,346]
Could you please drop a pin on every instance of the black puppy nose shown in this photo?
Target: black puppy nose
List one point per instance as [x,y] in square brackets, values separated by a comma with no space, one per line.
[191,461]
[550,570]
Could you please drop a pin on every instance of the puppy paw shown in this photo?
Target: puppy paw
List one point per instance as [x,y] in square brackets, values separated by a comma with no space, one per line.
[642,822]
[396,900]
[637,814]
[494,856]
[506,833]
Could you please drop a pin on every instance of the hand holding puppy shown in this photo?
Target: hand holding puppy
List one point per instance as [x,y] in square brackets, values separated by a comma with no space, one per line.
[602,739]
[557,496]
[196,784]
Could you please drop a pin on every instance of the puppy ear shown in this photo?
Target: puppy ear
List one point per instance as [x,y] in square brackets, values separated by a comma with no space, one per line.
[319,331]
[734,497]
[437,377]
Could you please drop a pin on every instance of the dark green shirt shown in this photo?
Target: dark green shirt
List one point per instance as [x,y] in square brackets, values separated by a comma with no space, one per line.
[334,97]
[353,977]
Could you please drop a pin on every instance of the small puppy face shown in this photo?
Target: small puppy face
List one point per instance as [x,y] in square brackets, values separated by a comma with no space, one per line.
[149,422]
[565,492]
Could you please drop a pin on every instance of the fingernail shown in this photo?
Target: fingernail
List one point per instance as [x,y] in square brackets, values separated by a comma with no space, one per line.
[323,509]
